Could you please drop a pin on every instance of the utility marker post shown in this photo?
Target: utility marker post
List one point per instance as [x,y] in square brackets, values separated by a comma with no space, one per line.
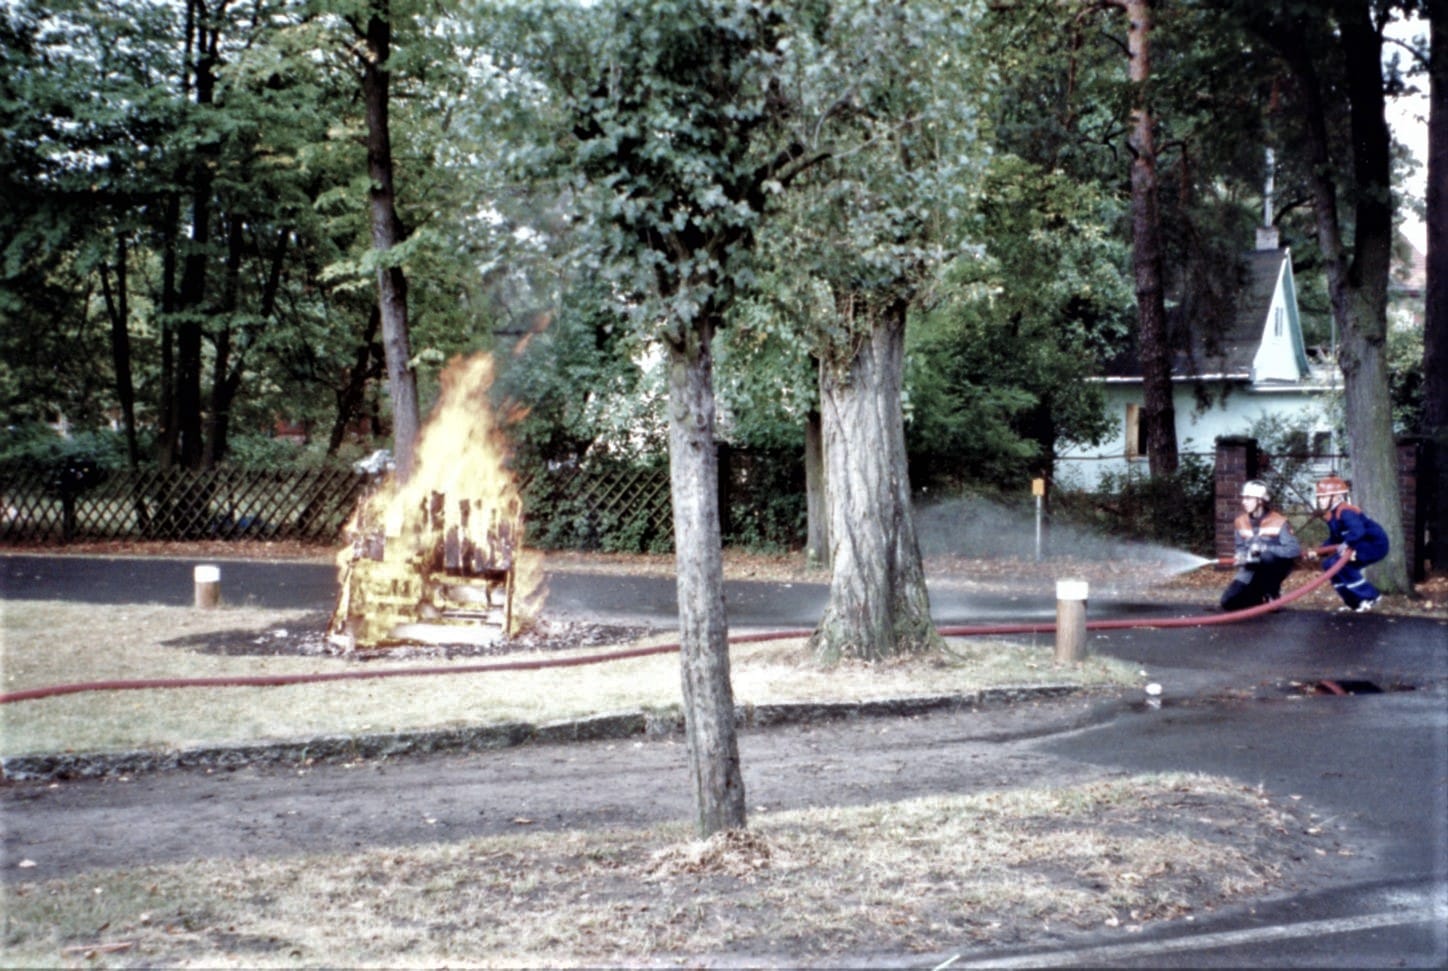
[208,586]
[1071,621]
[1038,489]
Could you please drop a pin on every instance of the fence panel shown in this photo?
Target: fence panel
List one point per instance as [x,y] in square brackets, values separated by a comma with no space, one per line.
[610,506]
[614,507]
[176,504]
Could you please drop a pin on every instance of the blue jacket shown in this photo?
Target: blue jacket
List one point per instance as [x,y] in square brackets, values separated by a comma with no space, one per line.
[1347,524]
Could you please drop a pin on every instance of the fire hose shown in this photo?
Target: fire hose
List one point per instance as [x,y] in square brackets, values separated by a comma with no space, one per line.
[278,680]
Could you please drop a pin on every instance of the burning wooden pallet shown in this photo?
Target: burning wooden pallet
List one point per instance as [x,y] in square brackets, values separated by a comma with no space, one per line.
[438,573]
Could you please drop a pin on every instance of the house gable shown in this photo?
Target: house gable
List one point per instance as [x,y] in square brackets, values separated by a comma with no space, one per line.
[1260,342]
[1228,372]
[1281,351]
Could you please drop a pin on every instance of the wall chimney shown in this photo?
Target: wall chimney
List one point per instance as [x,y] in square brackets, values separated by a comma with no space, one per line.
[1267,237]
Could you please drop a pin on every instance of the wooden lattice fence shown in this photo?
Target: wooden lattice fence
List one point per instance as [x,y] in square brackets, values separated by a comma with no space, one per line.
[609,506]
[616,508]
[76,502]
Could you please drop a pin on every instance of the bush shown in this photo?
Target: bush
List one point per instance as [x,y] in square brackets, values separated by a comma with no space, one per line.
[40,446]
[764,491]
[1176,510]
[68,465]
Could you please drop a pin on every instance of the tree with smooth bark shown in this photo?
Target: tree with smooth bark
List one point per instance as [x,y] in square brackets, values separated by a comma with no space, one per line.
[669,114]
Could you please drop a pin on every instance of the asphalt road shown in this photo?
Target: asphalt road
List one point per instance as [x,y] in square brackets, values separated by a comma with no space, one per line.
[290,585]
[1238,701]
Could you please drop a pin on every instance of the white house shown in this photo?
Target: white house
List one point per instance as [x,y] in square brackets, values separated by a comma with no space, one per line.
[1226,376]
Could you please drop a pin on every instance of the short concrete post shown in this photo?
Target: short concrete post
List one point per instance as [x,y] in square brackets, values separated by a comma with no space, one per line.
[208,586]
[1071,620]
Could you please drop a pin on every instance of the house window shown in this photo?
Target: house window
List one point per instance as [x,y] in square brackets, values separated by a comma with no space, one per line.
[1135,440]
[1277,322]
[1321,444]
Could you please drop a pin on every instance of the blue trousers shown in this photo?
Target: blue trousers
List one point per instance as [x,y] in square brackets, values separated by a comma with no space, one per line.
[1350,583]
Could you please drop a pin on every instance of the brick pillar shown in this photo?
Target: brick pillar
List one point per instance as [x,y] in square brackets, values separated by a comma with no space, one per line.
[1410,452]
[1236,462]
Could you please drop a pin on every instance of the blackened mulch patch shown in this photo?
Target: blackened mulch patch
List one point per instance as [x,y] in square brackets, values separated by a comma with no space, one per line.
[542,637]
[307,637]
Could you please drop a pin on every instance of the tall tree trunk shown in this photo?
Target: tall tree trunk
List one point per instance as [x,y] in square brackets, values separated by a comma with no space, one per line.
[1158,409]
[166,417]
[387,232]
[1358,282]
[349,399]
[878,606]
[1364,302]
[229,362]
[225,377]
[192,297]
[816,492]
[703,627]
[118,308]
[1435,325]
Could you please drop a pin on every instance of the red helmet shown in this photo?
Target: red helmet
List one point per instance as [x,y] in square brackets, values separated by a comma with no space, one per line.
[1331,486]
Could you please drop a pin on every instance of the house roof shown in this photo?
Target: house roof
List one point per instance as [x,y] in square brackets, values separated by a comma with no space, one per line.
[1225,347]
[1230,349]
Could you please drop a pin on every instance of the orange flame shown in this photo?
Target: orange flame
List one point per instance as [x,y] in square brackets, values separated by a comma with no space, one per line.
[461,458]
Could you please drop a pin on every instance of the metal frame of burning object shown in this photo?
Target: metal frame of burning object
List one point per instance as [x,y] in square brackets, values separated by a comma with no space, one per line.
[440,571]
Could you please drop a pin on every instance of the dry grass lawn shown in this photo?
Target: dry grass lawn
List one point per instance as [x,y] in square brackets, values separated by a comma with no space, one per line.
[48,643]
[823,886]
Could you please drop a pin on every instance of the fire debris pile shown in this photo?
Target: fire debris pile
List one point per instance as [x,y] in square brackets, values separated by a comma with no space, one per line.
[438,558]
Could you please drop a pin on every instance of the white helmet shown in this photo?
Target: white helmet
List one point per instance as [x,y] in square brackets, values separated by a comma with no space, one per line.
[1255,489]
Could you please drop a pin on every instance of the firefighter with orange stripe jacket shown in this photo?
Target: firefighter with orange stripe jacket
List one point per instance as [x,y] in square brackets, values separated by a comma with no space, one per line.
[1266,550]
[1357,537]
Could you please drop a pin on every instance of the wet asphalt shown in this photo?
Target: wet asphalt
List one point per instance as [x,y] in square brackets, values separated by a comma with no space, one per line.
[1255,701]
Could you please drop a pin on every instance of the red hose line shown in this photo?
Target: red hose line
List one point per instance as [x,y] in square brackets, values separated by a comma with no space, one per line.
[1201,620]
[277,680]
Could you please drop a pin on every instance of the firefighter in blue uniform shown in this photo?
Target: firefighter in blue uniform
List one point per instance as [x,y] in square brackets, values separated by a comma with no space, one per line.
[1356,537]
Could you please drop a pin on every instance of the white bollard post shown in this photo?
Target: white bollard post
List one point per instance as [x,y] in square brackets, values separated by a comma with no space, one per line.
[208,586]
[1071,621]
